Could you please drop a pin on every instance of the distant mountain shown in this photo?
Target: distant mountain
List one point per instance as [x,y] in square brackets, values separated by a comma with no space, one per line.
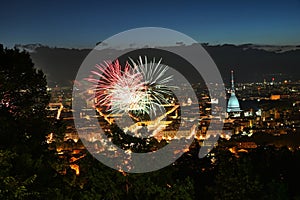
[59,64]
[250,62]
[29,47]
[273,48]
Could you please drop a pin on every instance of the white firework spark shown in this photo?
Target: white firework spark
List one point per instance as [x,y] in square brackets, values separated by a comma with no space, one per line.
[155,82]
[136,89]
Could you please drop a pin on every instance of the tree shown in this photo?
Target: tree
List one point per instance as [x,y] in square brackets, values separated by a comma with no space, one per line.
[236,179]
[23,98]
[25,171]
[101,182]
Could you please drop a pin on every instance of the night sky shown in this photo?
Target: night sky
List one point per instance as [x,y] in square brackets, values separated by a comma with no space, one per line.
[82,24]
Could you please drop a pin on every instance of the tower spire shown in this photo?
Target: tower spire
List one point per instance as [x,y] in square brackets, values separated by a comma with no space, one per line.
[233,105]
[232,82]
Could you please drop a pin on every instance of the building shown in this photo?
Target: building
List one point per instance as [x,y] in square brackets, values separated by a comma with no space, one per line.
[233,106]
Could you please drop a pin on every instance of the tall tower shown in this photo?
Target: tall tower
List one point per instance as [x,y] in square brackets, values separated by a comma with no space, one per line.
[233,102]
[232,83]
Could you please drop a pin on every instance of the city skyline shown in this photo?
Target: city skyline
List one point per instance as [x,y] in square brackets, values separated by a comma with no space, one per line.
[69,133]
[81,25]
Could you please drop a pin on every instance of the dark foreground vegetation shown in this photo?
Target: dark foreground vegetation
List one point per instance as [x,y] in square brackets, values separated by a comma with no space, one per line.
[29,169]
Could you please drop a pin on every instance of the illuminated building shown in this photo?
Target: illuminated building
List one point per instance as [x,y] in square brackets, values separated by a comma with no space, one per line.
[233,106]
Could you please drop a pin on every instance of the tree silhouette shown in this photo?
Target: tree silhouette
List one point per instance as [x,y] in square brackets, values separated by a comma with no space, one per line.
[25,169]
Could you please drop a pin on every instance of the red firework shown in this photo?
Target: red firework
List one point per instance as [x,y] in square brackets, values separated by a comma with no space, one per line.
[116,88]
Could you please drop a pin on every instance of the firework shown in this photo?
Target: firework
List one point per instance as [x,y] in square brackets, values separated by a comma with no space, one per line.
[138,88]
[154,82]
[116,88]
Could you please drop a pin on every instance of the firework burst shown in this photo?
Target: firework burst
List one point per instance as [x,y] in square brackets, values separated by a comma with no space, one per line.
[155,82]
[138,88]
[116,88]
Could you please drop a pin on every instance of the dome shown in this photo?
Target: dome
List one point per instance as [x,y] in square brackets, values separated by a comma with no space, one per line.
[233,104]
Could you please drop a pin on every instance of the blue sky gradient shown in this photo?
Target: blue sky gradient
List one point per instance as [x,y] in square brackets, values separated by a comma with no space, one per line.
[84,23]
